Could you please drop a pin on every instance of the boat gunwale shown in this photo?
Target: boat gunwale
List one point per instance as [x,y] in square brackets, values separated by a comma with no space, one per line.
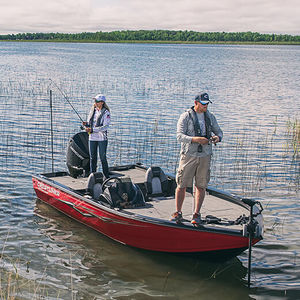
[46,178]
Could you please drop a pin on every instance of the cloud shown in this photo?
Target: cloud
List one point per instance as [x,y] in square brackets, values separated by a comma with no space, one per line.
[40,16]
[271,16]
[213,15]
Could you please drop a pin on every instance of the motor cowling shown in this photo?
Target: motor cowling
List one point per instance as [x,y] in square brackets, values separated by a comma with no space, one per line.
[78,158]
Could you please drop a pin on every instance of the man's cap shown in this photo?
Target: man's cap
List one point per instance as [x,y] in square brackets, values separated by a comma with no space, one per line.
[203,98]
[99,98]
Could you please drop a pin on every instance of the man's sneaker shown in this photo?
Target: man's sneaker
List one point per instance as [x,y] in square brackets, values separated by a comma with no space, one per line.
[196,220]
[177,217]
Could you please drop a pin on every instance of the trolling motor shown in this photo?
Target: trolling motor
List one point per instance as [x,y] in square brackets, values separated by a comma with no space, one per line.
[252,230]
[252,226]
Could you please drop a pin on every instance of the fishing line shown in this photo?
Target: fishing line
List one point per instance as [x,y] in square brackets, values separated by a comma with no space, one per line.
[66,98]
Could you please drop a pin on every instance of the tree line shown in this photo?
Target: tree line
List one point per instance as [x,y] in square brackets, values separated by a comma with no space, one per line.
[155,36]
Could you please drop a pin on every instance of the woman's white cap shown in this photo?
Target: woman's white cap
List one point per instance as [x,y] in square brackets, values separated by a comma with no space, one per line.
[99,98]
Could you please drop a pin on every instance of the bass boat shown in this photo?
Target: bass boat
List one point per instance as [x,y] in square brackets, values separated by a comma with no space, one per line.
[133,206]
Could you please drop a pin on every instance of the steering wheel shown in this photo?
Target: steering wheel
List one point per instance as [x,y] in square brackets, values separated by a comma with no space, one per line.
[111,200]
[105,185]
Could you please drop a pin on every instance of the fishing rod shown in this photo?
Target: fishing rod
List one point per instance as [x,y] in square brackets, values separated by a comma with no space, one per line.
[51,130]
[66,98]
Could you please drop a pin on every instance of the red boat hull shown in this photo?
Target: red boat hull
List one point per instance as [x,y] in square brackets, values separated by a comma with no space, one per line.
[144,233]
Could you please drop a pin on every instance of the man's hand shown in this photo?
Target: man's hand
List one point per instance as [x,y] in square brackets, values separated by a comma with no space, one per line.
[215,139]
[200,140]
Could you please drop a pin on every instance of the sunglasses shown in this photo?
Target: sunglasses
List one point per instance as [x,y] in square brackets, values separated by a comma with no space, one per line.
[203,103]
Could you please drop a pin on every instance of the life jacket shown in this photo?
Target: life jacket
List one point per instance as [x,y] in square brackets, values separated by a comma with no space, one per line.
[99,121]
[208,126]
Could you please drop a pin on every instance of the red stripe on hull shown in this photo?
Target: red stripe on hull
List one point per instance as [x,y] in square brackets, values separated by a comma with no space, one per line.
[134,232]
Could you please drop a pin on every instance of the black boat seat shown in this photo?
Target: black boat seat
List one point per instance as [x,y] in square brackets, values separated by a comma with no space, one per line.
[156,182]
[94,184]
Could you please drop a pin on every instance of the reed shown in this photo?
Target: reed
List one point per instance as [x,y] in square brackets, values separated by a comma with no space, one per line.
[14,285]
[11,283]
[8,286]
[293,136]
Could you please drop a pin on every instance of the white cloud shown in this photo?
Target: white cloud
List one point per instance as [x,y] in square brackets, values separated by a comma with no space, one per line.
[40,16]
[93,15]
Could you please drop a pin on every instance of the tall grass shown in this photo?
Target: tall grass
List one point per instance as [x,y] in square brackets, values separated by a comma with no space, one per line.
[15,281]
[251,163]
[293,136]
[12,284]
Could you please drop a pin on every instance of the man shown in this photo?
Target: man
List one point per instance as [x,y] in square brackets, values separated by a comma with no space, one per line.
[197,129]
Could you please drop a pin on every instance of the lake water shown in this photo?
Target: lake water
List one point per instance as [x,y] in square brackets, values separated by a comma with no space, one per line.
[255,92]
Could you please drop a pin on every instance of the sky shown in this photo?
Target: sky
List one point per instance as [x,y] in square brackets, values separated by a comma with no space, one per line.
[71,16]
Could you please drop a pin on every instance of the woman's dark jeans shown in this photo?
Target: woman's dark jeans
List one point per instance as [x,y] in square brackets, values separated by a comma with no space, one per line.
[93,147]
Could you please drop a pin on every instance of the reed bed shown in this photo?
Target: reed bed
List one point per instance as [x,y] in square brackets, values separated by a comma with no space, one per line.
[14,284]
[139,133]
[252,165]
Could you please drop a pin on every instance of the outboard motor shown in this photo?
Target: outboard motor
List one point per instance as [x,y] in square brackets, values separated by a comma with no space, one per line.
[78,158]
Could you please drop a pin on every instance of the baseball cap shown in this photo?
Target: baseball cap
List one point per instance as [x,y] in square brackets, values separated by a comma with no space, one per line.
[203,98]
[99,98]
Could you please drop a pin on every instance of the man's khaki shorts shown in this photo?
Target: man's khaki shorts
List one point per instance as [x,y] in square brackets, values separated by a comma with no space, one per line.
[191,167]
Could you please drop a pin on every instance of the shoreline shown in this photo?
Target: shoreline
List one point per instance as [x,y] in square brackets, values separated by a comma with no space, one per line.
[156,42]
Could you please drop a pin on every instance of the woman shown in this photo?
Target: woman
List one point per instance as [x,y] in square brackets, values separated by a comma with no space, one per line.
[96,126]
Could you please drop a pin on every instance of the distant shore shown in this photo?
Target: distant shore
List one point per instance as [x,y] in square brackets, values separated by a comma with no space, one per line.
[158,37]
[155,42]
